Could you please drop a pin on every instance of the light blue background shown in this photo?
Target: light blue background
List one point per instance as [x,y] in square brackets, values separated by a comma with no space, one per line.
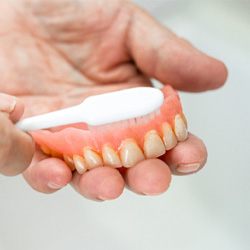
[209,210]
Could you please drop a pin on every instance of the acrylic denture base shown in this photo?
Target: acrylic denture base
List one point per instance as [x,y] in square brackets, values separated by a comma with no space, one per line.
[118,144]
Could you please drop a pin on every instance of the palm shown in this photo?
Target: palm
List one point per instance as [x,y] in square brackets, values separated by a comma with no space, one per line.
[88,56]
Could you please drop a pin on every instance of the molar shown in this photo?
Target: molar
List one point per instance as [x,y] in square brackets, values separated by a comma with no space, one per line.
[69,161]
[55,154]
[93,159]
[80,164]
[130,153]
[45,150]
[180,128]
[110,157]
[169,138]
[153,145]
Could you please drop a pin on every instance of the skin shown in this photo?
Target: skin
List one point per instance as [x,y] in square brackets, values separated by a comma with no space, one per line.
[54,53]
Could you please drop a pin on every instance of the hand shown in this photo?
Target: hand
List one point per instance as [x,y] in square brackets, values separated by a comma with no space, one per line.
[53,53]
[16,147]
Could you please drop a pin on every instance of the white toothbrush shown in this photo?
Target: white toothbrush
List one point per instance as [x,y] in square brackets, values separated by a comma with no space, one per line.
[100,109]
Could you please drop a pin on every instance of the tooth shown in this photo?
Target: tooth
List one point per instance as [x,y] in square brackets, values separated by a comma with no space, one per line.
[169,138]
[55,154]
[130,153]
[80,164]
[184,119]
[45,150]
[69,161]
[93,160]
[153,145]
[110,157]
[180,128]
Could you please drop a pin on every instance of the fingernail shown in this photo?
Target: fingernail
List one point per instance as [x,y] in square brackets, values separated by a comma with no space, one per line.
[101,199]
[7,103]
[53,185]
[188,168]
[152,194]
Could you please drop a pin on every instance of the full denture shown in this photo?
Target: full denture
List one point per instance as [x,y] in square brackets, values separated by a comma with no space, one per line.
[118,144]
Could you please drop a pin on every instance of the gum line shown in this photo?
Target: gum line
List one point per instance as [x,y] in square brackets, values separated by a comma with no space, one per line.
[154,144]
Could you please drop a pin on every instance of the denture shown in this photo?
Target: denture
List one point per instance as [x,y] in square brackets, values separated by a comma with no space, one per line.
[119,144]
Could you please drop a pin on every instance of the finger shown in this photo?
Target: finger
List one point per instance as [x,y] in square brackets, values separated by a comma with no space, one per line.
[47,175]
[103,183]
[16,148]
[11,106]
[161,54]
[187,157]
[150,177]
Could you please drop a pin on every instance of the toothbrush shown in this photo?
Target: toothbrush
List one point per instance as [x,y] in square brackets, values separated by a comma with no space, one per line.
[100,109]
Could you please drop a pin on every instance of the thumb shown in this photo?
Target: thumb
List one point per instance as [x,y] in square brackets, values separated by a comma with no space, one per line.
[16,147]
[162,55]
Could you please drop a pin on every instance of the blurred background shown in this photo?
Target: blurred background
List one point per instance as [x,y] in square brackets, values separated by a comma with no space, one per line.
[209,210]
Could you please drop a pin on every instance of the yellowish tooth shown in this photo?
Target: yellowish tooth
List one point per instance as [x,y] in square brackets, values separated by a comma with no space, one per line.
[130,153]
[45,150]
[169,138]
[153,145]
[110,157]
[184,119]
[69,161]
[92,159]
[55,154]
[180,128]
[80,164]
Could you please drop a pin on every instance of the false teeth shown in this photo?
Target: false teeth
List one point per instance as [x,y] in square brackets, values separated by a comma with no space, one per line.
[130,153]
[153,145]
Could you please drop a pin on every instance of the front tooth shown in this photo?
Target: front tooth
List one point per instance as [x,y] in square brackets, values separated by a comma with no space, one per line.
[130,153]
[180,128]
[80,164]
[110,157]
[69,161]
[169,138]
[93,160]
[153,145]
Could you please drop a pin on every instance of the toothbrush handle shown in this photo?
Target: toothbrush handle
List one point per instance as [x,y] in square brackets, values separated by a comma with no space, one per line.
[49,120]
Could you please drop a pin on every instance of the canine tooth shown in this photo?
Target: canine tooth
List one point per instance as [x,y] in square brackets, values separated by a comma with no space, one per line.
[45,150]
[169,138]
[110,157]
[80,164]
[69,161]
[130,153]
[93,160]
[153,145]
[180,128]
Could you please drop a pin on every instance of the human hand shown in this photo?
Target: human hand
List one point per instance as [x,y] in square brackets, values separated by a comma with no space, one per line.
[16,147]
[55,53]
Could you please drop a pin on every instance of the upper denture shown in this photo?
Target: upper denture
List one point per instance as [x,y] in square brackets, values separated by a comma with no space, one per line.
[105,144]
